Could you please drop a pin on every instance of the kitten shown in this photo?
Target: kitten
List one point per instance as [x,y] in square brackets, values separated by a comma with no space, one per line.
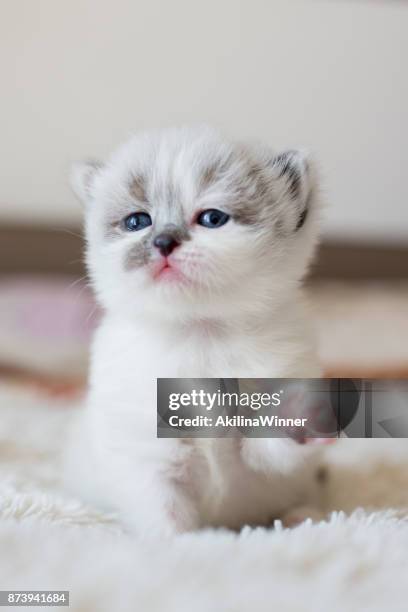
[196,247]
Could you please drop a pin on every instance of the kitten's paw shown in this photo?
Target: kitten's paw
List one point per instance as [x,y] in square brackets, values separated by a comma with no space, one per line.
[299,515]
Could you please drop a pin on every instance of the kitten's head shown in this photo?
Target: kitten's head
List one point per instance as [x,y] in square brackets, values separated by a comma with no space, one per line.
[183,222]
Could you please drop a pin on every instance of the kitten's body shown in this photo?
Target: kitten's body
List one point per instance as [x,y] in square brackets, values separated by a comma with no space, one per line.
[228,306]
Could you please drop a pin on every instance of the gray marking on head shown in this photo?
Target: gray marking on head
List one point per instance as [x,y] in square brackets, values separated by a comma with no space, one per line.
[139,254]
[135,200]
[215,172]
[255,196]
[179,232]
[137,188]
[249,185]
[245,181]
[116,229]
[209,176]
[263,190]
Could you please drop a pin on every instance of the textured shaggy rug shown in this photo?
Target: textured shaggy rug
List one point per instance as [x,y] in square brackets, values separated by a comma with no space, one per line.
[355,562]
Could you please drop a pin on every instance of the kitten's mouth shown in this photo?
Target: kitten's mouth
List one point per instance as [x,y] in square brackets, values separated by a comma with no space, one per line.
[164,270]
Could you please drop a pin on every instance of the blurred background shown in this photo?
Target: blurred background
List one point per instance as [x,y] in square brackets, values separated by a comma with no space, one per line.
[328,75]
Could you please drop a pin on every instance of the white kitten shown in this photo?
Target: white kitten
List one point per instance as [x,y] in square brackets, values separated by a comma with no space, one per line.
[196,247]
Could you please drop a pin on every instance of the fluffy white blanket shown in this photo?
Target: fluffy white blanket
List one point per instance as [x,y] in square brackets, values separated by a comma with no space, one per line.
[350,562]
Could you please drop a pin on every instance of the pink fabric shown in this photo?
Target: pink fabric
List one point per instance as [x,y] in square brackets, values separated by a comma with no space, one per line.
[55,309]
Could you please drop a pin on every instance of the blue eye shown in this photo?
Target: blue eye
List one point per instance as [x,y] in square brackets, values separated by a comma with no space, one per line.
[137,221]
[212,218]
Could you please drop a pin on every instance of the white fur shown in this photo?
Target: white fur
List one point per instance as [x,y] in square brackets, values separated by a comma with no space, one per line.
[239,315]
[347,564]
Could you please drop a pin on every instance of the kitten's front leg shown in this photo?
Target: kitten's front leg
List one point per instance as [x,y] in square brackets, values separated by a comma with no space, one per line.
[152,487]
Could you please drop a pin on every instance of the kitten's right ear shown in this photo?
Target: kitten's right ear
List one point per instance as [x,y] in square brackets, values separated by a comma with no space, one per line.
[82,178]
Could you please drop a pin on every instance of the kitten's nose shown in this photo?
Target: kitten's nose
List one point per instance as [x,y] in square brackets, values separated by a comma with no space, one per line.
[166,243]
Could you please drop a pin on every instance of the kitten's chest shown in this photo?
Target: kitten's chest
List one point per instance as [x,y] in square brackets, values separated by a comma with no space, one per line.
[200,352]
[200,356]
[208,352]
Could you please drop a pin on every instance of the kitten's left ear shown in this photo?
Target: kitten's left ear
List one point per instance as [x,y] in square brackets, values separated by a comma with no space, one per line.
[296,169]
[82,178]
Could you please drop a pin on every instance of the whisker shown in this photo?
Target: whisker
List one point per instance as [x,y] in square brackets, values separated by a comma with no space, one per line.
[65,230]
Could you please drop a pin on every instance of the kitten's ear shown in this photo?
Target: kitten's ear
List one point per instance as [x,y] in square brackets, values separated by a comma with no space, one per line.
[297,170]
[82,178]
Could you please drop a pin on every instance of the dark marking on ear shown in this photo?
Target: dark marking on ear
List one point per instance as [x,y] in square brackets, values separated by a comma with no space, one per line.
[302,219]
[288,168]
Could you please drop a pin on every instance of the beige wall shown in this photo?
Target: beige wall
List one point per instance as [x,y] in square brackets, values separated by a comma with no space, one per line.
[78,75]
